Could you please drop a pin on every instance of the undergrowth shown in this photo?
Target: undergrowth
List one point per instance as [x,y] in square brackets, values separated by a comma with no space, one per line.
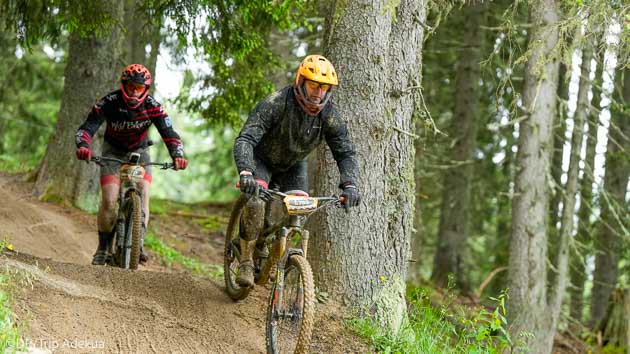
[431,329]
[11,339]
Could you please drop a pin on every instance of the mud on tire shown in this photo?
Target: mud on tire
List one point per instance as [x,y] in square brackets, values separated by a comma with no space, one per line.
[231,253]
[290,320]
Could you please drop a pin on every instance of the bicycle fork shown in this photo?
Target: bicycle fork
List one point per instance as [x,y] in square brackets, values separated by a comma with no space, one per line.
[280,311]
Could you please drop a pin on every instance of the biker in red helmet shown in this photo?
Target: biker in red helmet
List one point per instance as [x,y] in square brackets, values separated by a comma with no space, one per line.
[128,114]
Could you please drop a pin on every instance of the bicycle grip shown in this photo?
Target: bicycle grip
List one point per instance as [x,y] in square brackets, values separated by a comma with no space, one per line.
[342,200]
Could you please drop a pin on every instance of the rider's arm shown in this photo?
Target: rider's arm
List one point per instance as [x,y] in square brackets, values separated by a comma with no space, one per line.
[165,127]
[95,118]
[338,139]
[260,120]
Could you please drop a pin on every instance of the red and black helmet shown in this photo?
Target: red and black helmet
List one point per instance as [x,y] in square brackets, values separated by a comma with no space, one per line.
[138,74]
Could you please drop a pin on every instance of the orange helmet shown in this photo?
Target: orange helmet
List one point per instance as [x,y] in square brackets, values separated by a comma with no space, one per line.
[319,69]
[139,74]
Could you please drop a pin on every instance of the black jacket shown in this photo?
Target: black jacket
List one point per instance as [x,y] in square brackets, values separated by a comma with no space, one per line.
[279,133]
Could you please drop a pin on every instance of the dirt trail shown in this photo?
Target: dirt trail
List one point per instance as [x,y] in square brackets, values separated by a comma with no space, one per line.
[73,307]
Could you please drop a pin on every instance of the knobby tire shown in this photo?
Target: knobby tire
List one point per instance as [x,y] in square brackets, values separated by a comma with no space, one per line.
[136,229]
[230,260]
[292,334]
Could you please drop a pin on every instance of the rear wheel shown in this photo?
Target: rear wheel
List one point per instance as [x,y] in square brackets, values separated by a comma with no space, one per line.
[232,253]
[291,309]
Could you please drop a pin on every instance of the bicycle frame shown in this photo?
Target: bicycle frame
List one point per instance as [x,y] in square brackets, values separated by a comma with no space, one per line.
[296,210]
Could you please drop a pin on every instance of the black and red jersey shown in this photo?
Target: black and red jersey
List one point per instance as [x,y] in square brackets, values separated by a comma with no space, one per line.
[127,129]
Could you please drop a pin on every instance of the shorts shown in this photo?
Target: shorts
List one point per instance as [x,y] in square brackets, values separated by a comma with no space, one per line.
[294,178]
[110,169]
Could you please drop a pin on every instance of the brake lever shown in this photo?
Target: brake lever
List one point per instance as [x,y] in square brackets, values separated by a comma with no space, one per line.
[96,160]
[265,195]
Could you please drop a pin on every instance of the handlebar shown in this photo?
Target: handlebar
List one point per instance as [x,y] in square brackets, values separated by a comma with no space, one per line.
[163,165]
[268,194]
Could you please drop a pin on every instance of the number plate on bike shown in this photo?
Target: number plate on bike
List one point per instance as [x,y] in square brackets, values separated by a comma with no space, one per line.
[299,205]
[132,173]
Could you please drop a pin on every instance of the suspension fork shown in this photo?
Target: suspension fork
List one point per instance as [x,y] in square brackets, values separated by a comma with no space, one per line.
[304,241]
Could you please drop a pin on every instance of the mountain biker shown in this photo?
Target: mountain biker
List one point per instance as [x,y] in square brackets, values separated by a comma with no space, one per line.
[273,145]
[128,113]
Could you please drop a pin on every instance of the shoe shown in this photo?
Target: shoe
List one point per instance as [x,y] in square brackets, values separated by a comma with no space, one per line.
[144,257]
[100,257]
[245,278]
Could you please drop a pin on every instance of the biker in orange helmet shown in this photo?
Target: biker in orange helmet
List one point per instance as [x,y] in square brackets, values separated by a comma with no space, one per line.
[128,114]
[272,148]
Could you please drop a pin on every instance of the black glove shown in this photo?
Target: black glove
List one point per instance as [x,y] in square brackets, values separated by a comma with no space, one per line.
[351,195]
[248,184]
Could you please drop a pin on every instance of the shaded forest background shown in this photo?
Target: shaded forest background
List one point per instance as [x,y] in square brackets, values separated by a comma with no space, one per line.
[519,134]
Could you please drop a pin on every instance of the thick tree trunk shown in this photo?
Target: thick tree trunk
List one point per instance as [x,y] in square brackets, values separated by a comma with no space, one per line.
[582,240]
[571,189]
[528,244]
[453,231]
[614,216]
[362,256]
[140,33]
[616,325]
[91,72]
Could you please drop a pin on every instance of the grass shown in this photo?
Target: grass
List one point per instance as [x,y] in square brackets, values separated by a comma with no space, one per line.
[11,339]
[17,163]
[430,329]
[170,256]
[10,331]
[212,223]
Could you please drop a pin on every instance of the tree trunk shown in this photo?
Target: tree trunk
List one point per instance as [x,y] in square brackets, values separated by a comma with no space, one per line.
[502,239]
[91,72]
[362,256]
[453,231]
[571,189]
[616,324]
[582,240]
[559,131]
[528,244]
[614,220]
[140,33]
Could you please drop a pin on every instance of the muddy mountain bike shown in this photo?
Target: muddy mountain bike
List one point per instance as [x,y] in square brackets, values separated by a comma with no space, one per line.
[291,308]
[128,230]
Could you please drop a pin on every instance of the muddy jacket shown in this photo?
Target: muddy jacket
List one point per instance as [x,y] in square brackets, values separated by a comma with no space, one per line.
[280,134]
[127,129]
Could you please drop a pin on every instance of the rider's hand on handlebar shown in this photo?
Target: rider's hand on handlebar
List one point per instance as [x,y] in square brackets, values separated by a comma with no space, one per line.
[351,196]
[84,153]
[248,184]
[180,163]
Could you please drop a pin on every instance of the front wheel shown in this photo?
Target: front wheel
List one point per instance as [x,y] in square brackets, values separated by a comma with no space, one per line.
[291,309]
[135,215]
[232,253]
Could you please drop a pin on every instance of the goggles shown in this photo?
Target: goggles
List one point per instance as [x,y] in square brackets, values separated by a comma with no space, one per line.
[134,88]
[313,85]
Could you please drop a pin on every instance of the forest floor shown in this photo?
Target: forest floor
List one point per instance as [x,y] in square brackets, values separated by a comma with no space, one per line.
[67,305]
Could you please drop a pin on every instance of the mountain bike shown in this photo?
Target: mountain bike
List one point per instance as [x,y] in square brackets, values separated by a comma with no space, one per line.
[129,227]
[290,312]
